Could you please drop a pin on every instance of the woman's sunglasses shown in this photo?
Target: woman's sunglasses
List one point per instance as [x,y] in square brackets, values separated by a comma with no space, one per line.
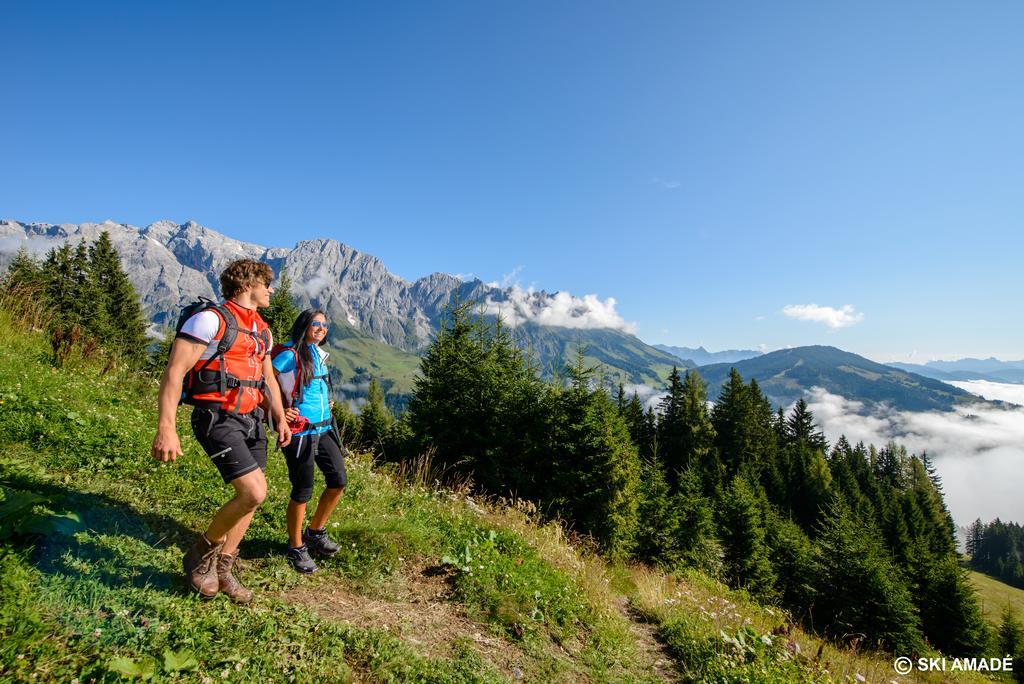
[318,324]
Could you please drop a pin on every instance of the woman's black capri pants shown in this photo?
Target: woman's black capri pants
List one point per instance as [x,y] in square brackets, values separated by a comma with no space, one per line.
[322,449]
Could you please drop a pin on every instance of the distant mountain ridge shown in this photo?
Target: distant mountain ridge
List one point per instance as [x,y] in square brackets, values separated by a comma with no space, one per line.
[785,376]
[172,264]
[991,370]
[702,357]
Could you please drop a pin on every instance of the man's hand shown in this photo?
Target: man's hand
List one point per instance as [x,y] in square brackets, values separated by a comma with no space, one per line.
[291,414]
[166,446]
[284,435]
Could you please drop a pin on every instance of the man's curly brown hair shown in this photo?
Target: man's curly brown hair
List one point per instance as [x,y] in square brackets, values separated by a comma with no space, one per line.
[240,275]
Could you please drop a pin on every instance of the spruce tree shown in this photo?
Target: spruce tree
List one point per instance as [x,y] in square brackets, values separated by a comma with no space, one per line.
[746,561]
[698,434]
[695,537]
[658,519]
[800,427]
[123,321]
[375,420]
[597,469]
[951,617]
[792,555]
[23,274]
[859,590]
[728,417]
[281,313]
[1010,641]
[671,428]
[347,422]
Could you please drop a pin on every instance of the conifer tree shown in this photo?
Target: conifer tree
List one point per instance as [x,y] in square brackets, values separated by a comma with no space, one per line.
[481,408]
[850,565]
[282,312]
[671,428]
[728,417]
[375,420]
[951,618]
[1010,641]
[636,422]
[697,543]
[974,539]
[792,555]
[698,435]
[123,322]
[746,560]
[658,519]
[23,272]
[347,422]
[800,427]
[597,470]
[71,293]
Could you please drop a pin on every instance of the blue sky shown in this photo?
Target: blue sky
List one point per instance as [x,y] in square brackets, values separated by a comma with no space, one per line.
[706,164]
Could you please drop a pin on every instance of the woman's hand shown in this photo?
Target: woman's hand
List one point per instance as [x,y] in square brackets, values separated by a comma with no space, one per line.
[290,414]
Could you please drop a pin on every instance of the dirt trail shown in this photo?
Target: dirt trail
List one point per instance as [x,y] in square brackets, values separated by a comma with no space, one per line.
[425,618]
[651,650]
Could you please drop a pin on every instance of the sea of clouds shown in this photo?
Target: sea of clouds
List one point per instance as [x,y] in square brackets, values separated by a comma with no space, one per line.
[977,451]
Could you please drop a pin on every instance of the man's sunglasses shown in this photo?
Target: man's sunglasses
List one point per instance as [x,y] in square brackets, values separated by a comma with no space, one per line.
[318,324]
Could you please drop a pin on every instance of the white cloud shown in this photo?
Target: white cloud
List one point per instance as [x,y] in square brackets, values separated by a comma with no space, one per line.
[314,285]
[35,246]
[977,451]
[648,396]
[995,391]
[833,318]
[560,309]
[666,184]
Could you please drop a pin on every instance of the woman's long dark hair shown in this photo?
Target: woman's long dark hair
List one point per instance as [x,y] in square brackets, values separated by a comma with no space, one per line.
[299,328]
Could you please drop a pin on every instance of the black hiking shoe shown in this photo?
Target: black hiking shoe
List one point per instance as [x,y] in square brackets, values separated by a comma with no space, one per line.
[319,543]
[300,560]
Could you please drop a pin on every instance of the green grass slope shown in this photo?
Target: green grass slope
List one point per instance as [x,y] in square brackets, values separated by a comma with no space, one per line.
[995,595]
[356,357]
[431,585]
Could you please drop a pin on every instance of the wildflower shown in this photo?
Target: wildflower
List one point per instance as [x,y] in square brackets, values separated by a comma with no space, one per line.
[859,677]
[766,640]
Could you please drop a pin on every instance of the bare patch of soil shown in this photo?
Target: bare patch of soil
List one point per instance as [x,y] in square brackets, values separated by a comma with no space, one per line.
[422,617]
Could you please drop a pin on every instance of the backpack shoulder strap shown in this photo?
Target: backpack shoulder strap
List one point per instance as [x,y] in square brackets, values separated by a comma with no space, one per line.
[230,328]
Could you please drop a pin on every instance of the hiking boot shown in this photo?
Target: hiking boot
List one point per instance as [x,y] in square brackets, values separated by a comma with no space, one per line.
[228,583]
[319,543]
[300,560]
[200,563]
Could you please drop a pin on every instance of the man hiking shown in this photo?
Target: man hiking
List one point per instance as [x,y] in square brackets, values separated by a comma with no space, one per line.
[220,363]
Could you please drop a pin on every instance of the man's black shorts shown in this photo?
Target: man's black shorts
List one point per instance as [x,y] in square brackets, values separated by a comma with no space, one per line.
[236,443]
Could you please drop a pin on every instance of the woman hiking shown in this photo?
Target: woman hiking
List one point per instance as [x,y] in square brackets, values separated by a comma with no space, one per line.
[301,368]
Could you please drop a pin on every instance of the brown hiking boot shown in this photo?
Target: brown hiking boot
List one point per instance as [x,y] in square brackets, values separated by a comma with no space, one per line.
[200,564]
[228,584]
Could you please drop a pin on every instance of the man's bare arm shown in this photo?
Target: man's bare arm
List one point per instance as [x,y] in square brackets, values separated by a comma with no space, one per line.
[184,355]
[273,395]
